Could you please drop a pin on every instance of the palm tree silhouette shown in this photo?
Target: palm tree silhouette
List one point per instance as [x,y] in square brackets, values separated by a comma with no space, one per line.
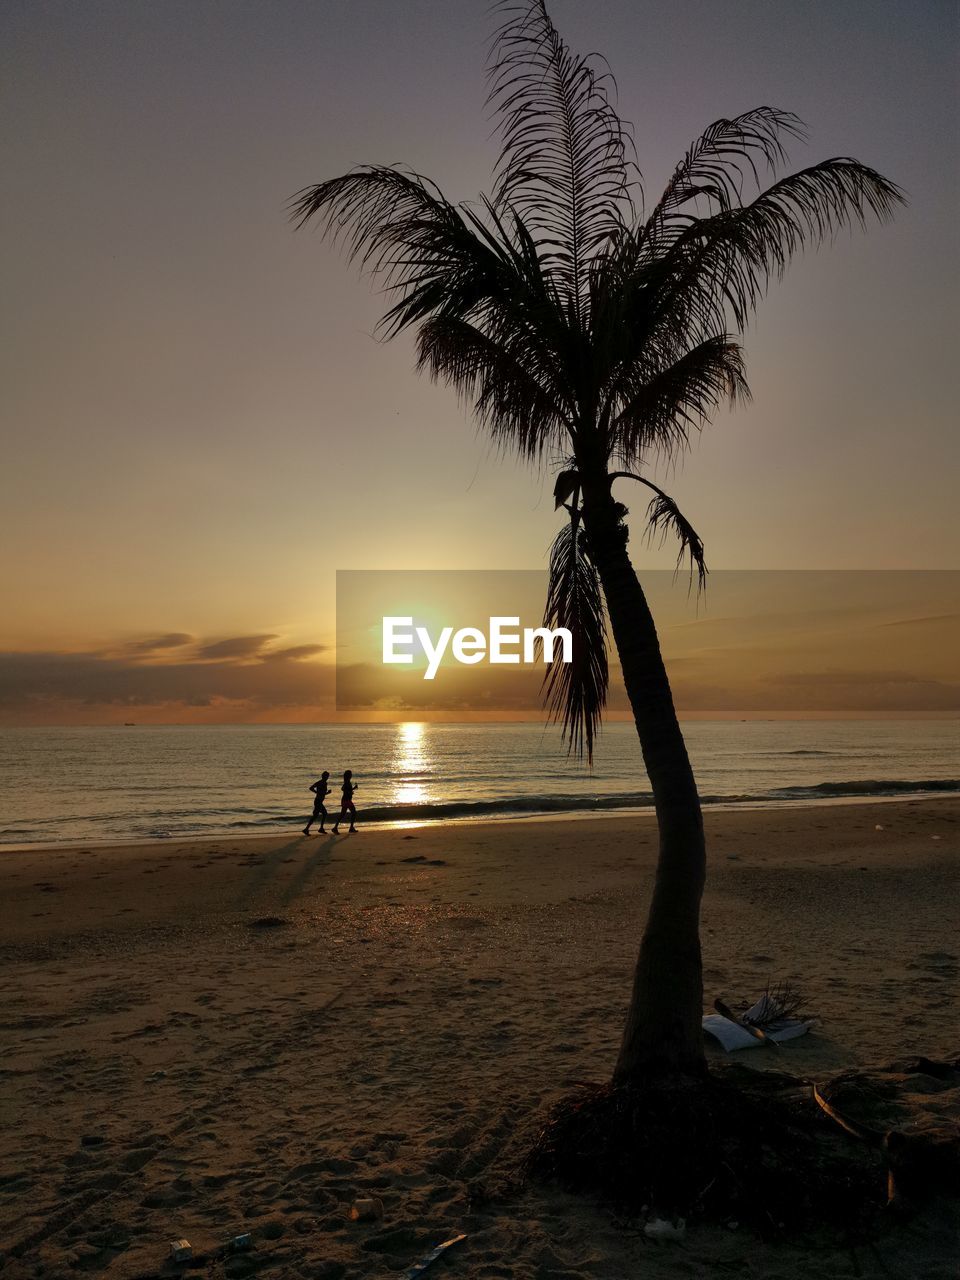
[584,330]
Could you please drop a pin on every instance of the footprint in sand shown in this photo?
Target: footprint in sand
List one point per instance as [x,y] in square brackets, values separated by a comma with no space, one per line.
[938,966]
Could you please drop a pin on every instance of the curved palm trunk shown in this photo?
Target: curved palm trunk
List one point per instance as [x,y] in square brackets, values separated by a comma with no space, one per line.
[663,1033]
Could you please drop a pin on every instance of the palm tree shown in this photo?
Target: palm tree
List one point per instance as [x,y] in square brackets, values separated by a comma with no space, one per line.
[586,331]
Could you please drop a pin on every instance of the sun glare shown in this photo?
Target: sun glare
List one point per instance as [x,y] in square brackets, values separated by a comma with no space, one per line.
[411,764]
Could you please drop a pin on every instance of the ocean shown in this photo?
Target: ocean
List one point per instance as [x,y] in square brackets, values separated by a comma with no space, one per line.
[153,782]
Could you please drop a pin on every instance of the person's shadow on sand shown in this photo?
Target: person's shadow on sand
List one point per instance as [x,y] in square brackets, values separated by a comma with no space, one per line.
[266,867]
[319,856]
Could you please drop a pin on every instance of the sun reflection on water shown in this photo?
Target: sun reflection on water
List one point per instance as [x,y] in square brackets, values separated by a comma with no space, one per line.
[411,764]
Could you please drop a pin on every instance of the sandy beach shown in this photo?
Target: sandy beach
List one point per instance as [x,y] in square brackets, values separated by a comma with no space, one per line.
[202,1039]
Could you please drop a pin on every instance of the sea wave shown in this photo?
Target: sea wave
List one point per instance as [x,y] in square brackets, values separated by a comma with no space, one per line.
[869,787]
[425,811]
[213,820]
[519,806]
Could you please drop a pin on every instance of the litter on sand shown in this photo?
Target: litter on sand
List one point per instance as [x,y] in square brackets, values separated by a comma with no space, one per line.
[772,1019]
[663,1229]
[418,1268]
[180,1251]
[366,1209]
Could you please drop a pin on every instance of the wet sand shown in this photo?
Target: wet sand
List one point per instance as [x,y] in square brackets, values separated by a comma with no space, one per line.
[201,1039]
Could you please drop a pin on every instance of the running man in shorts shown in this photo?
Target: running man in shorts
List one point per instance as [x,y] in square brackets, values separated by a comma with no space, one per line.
[320,792]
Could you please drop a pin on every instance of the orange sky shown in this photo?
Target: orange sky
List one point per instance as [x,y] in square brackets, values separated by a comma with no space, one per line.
[199,429]
[758,643]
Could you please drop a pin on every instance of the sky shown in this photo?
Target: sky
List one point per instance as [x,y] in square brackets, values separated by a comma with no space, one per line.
[199,428]
[830,642]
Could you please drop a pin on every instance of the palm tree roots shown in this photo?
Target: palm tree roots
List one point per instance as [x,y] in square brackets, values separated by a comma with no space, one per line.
[738,1147]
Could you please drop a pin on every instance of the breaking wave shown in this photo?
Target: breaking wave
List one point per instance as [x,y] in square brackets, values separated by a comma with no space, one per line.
[525,806]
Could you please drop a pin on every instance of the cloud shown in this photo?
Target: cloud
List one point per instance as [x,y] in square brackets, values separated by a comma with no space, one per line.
[234,647]
[36,684]
[174,675]
[862,679]
[872,690]
[157,644]
[834,691]
[922,622]
[293,654]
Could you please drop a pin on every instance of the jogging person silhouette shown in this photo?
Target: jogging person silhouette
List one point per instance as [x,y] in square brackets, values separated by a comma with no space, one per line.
[320,792]
[346,802]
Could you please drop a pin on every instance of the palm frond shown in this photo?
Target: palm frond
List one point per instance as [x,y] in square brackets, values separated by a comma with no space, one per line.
[717,164]
[664,518]
[719,267]
[472,284]
[505,382]
[402,230]
[373,208]
[575,693]
[566,487]
[654,297]
[565,156]
[778,1004]
[659,410]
